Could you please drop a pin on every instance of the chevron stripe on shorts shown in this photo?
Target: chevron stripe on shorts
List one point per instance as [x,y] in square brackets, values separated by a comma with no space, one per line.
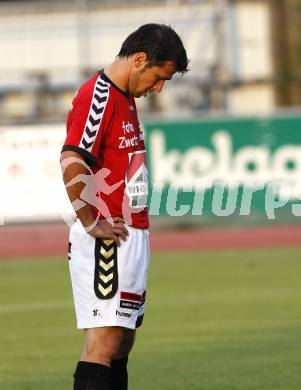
[106,270]
[99,101]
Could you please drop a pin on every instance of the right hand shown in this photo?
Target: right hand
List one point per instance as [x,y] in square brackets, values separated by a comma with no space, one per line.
[104,229]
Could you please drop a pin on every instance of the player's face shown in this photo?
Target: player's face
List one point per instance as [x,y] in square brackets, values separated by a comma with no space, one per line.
[145,79]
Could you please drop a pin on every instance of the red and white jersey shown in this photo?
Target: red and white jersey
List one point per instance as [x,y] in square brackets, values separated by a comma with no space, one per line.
[103,127]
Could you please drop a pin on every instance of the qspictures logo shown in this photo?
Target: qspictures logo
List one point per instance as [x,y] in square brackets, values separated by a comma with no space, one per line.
[220,168]
[232,176]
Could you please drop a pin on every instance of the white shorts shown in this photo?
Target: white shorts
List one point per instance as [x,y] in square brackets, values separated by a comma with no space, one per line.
[108,282]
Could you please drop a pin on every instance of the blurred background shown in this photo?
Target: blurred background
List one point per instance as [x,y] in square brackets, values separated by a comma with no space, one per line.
[238,106]
[241,99]
[245,55]
[224,287]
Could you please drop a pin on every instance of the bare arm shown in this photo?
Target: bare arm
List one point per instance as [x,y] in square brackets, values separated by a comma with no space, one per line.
[103,229]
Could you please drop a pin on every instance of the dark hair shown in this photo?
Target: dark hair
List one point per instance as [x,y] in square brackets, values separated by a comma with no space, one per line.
[160,43]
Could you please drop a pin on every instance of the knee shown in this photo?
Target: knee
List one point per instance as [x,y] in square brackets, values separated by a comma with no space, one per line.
[126,344]
[105,348]
[115,347]
[108,345]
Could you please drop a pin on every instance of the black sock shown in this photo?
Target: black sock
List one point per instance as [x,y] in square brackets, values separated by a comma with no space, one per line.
[91,376]
[119,374]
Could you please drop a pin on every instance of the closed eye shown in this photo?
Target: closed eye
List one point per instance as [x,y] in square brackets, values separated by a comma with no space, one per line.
[163,78]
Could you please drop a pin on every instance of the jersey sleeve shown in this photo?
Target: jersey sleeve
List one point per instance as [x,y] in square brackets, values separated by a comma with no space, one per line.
[88,119]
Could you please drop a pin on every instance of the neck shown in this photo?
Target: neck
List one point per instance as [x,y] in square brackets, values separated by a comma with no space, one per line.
[118,72]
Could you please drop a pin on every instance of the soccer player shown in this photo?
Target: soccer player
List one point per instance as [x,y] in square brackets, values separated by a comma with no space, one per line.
[105,173]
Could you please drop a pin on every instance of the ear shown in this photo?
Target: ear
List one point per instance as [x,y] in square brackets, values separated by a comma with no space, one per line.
[140,60]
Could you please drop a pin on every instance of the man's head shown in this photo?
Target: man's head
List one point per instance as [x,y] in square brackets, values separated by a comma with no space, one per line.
[156,52]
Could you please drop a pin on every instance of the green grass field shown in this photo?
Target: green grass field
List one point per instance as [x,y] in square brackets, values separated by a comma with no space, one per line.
[214,321]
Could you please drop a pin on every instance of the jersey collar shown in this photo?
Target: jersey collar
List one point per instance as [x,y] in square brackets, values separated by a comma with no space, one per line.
[106,78]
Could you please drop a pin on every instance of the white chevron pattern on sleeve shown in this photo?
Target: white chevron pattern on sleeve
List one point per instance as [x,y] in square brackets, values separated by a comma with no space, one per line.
[99,101]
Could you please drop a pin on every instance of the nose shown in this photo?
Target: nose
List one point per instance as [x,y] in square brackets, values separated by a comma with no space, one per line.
[158,86]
